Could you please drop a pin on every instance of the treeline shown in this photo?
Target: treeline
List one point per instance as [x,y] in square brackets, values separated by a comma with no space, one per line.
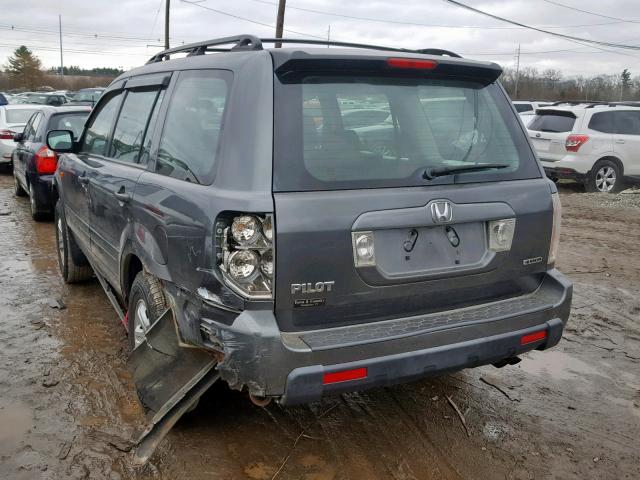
[551,84]
[93,72]
[23,71]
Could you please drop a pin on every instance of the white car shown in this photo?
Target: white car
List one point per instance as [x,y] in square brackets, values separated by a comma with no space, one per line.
[527,109]
[13,118]
[597,144]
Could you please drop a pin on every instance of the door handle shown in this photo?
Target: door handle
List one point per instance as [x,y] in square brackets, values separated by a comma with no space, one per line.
[122,195]
[619,140]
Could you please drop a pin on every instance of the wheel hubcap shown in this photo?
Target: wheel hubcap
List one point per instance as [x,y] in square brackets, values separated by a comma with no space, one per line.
[140,323]
[605,179]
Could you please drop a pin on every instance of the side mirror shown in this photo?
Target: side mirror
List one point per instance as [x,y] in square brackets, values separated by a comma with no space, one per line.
[60,141]
[18,137]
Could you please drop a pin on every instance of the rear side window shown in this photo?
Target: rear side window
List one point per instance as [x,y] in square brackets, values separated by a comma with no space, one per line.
[96,137]
[69,121]
[523,107]
[431,123]
[19,116]
[131,126]
[552,122]
[189,142]
[602,122]
[627,123]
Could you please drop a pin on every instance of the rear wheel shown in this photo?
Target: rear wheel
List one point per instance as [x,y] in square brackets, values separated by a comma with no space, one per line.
[17,188]
[146,305]
[74,266]
[36,207]
[605,177]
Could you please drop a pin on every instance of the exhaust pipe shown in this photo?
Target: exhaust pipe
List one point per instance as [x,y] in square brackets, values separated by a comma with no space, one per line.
[260,401]
[507,361]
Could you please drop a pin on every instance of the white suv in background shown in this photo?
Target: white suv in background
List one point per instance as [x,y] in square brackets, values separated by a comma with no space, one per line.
[527,109]
[596,144]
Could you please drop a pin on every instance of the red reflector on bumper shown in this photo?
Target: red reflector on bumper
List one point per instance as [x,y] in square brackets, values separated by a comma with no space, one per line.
[533,337]
[344,376]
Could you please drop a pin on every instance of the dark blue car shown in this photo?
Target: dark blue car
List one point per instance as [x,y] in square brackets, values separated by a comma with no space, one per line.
[34,163]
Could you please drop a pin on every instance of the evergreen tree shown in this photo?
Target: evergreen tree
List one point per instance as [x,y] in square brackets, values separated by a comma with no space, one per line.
[24,67]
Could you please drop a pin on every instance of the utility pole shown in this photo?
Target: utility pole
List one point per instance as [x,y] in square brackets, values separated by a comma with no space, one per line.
[515,95]
[280,21]
[60,31]
[166,24]
[328,35]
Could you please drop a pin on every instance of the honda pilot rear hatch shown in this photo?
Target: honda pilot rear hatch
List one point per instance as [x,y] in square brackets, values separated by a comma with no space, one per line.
[437,205]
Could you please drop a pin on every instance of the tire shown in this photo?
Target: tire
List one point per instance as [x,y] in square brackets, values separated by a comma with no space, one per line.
[74,266]
[146,305]
[36,208]
[605,177]
[17,188]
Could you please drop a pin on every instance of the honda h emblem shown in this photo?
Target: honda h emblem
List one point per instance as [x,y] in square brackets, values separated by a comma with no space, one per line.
[441,211]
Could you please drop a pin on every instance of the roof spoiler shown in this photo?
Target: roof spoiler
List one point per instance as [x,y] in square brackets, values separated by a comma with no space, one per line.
[290,68]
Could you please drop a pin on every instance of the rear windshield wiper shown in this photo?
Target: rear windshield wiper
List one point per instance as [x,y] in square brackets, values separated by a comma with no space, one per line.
[431,173]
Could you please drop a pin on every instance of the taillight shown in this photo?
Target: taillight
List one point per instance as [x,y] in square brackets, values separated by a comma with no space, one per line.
[46,161]
[7,134]
[574,142]
[412,63]
[247,257]
[555,229]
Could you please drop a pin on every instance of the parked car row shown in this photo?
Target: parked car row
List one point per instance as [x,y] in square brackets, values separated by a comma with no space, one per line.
[85,96]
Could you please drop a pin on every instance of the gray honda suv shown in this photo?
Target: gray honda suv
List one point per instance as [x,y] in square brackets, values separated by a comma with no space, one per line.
[246,232]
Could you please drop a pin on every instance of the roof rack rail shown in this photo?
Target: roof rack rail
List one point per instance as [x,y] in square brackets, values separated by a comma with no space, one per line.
[242,42]
[251,42]
[438,51]
[628,103]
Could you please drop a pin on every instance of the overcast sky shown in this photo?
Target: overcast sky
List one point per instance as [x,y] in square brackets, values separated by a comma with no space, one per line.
[115,33]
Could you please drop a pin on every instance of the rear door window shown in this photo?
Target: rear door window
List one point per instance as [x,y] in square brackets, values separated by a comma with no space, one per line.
[33,129]
[602,122]
[96,137]
[430,124]
[523,107]
[131,126]
[553,122]
[627,122]
[189,143]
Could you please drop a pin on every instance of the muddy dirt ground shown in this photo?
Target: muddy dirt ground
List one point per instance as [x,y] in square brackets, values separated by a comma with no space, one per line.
[68,408]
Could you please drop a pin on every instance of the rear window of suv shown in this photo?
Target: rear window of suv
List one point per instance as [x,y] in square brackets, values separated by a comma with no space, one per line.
[427,123]
[19,116]
[553,122]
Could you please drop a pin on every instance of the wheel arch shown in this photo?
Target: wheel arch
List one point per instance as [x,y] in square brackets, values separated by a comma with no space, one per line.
[611,158]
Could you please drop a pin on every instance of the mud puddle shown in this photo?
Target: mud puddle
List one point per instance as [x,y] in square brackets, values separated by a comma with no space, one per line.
[68,409]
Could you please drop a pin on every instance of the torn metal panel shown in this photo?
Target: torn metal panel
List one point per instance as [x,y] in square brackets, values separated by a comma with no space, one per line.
[164,371]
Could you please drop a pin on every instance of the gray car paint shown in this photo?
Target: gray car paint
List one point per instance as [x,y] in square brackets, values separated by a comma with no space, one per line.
[170,226]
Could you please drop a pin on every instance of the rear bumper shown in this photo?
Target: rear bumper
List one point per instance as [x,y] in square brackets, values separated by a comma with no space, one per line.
[579,163]
[292,366]
[6,150]
[306,384]
[563,173]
